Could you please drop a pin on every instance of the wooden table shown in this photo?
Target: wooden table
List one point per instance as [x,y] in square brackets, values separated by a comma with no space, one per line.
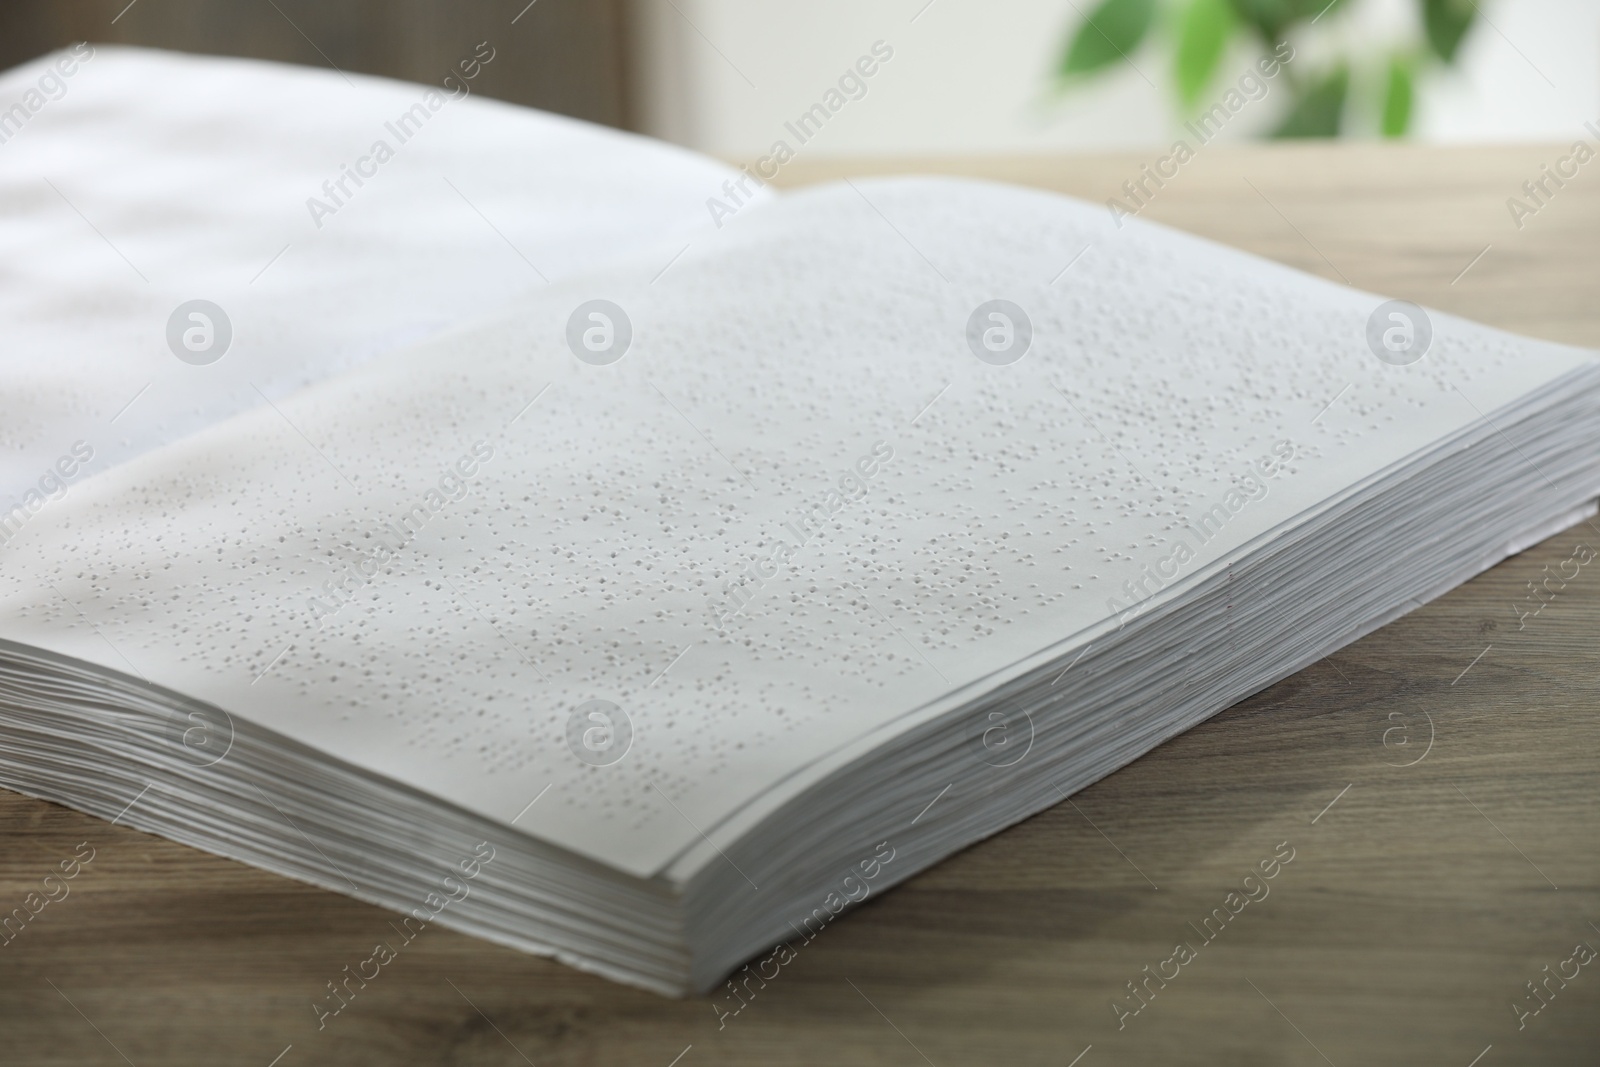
[1437,782]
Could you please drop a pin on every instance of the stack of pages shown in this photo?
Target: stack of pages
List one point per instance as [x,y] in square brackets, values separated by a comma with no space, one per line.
[652,622]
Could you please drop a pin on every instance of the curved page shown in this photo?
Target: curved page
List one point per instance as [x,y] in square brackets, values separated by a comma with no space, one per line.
[790,493]
[326,218]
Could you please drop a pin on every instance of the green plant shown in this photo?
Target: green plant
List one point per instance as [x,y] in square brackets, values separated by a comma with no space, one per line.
[1201,32]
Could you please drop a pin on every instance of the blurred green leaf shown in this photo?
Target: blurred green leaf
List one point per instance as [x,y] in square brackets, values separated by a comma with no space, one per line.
[1272,17]
[1447,22]
[1397,97]
[1318,107]
[1110,32]
[1202,37]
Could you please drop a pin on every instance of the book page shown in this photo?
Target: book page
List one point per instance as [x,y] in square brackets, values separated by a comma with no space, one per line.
[185,236]
[643,554]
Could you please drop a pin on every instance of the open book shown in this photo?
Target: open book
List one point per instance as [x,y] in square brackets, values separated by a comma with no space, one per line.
[653,622]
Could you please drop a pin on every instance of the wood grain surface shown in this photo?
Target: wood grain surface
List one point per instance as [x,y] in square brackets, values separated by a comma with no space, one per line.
[1437,783]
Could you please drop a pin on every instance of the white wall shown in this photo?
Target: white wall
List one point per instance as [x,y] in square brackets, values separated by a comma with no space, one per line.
[723,76]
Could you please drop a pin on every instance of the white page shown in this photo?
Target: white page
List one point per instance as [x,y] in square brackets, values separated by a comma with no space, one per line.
[143,179]
[585,558]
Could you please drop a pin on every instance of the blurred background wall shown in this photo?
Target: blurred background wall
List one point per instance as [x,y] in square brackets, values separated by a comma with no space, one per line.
[723,76]
[979,75]
[561,55]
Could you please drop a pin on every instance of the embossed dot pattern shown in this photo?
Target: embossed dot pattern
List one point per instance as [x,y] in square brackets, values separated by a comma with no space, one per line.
[601,550]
